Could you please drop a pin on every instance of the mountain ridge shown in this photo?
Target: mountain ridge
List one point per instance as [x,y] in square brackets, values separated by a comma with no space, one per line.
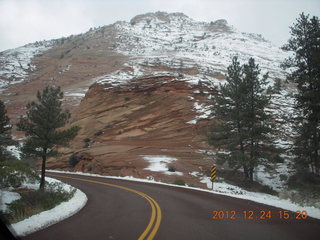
[141,88]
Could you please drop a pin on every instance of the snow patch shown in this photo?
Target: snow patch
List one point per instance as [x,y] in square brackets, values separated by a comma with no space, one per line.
[7,197]
[160,164]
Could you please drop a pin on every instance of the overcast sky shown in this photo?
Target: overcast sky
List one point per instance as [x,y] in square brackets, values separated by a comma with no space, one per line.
[25,21]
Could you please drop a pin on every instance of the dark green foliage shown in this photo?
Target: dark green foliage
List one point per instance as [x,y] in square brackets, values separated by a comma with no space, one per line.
[278,159]
[171,169]
[305,42]
[74,159]
[98,133]
[4,120]
[283,177]
[42,126]
[242,128]
[277,86]
[5,134]
[179,182]
[89,168]
[86,142]
[307,184]
[33,202]
[14,173]
[268,190]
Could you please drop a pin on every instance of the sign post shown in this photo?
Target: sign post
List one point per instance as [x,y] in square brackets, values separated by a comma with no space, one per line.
[213,174]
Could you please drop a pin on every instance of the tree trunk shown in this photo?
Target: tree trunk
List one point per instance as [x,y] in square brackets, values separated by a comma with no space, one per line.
[251,174]
[43,170]
[316,163]
[246,172]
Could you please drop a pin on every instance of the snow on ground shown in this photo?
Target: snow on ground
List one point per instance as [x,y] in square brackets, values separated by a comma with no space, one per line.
[14,150]
[46,218]
[223,189]
[160,164]
[235,191]
[273,176]
[75,94]
[7,197]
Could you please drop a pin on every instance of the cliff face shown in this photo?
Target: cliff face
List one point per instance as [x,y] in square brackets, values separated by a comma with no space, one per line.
[149,117]
[140,91]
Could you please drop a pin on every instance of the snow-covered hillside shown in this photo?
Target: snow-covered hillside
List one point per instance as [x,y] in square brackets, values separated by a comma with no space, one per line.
[178,41]
[16,64]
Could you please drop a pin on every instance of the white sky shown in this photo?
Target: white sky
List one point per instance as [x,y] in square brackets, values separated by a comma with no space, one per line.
[25,21]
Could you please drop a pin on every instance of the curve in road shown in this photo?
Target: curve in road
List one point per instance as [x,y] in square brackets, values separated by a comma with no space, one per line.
[155,218]
[112,213]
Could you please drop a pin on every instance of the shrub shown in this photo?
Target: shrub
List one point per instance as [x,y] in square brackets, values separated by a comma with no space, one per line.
[78,156]
[14,173]
[180,182]
[278,159]
[171,169]
[98,133]
[283,177]
[137,86]
[86,142]
[86,145]
[89,168]
[126,98]
[33,202]
[268,190]
[74,159]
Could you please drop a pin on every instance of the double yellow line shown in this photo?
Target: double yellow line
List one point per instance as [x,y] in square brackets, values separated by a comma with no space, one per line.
[155,219]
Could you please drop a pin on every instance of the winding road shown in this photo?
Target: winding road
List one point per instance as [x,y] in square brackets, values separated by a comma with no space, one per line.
[119,209]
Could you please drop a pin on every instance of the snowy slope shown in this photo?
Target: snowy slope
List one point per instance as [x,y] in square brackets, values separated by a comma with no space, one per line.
[16,64]
[177,40]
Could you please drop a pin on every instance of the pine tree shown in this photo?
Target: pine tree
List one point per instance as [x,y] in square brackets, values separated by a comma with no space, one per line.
[256,121]
[305,42]
[42,126]
[242,125]
[5,134]
[229,132]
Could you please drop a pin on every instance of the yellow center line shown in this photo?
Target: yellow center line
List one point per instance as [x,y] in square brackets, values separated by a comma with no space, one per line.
[158,221]
[156,215]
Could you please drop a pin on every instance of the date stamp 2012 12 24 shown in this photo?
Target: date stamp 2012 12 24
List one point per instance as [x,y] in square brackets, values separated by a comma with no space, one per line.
[259,215]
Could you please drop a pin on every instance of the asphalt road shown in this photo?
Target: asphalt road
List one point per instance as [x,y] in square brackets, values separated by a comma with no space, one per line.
[118,209]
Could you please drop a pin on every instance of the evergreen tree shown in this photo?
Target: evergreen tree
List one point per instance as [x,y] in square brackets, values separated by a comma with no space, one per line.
[42,126]
[242,128]
[5,134]
[229,132]
[257,123]
[305,42]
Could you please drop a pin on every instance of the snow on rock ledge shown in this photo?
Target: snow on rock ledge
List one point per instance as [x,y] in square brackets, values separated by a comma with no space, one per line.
[52,216]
